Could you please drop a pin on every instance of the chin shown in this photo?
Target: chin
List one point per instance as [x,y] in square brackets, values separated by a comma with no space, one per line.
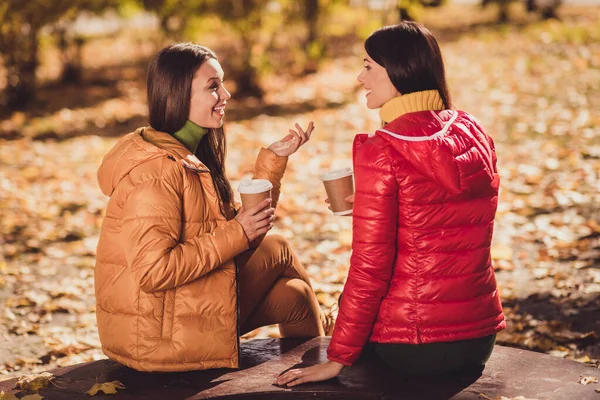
[370,106]
[215,125]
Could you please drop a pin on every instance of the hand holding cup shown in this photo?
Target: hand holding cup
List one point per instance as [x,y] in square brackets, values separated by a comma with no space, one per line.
[339,185]
[256,199]
[257,220]
[349,199]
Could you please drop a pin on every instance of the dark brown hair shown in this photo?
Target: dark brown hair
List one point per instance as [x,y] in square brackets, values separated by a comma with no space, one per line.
[169,85]
[412,58]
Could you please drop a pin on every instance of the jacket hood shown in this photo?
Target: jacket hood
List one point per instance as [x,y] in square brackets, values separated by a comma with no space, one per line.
[447,147]
[136,148]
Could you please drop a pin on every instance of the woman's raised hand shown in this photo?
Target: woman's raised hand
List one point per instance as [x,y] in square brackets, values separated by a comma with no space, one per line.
[257,220]
[292,142]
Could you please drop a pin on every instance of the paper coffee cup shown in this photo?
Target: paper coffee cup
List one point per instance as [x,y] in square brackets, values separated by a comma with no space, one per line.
[253,191]
[339,185]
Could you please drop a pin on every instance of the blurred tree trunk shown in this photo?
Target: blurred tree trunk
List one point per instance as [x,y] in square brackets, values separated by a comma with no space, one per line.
[311,16]
[405,8]
[547,11]
[245,18]
[530,5]
[20,25]
[71,56]
[551,10]
[247,80]
[404,14]
[503,9]
[312,47]
[19,43]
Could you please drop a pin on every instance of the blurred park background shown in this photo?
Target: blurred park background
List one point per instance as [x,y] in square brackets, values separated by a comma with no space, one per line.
[72,81]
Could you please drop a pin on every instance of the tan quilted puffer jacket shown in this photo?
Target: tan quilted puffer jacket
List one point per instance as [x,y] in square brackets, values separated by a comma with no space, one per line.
[165,277]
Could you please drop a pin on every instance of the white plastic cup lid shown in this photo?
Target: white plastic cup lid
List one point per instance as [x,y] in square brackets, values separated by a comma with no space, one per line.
[336,174]
[253,186]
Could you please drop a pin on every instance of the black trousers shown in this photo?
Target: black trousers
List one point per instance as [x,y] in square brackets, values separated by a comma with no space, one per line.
[434,358]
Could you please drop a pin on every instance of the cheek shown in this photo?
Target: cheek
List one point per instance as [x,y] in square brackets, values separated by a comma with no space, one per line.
[201,104]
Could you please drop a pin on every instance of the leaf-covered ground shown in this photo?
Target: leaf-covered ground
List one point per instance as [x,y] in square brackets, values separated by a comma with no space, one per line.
[536,88]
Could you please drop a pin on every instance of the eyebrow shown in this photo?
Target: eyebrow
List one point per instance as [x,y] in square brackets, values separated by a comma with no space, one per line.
[218,78]
[364,59]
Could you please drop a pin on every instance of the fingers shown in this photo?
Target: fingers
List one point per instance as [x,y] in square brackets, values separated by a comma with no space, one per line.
[264,230]
[309,131]
[289,137]
[260,223]
[296,377]
[290,376]
[299,381]
[263,220]
[297,140]
[302,134]
[254,210]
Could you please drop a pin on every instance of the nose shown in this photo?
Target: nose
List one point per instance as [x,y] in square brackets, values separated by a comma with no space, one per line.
[360,76]
[225,95]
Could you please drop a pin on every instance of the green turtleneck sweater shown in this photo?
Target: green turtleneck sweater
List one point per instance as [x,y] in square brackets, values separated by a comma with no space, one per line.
[190,135]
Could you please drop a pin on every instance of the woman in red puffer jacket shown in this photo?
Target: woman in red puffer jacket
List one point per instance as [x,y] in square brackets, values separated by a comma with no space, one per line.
[421,292]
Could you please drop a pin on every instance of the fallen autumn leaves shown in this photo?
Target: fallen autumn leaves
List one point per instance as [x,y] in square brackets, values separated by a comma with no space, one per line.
[547,239]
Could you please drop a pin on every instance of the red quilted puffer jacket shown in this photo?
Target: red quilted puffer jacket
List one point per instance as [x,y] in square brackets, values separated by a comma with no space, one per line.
[421,271]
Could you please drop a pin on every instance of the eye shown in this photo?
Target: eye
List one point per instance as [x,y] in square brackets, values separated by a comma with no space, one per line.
[215,86]
[367,67]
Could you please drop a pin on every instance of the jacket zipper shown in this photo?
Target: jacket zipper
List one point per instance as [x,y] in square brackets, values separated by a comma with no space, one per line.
[237,308]
[237,296]
[237,288]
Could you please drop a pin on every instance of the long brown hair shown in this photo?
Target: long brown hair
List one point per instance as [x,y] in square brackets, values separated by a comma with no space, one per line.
[169,85]
[411,57]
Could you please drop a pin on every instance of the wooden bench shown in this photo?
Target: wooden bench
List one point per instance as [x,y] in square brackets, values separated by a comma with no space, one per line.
[510,372]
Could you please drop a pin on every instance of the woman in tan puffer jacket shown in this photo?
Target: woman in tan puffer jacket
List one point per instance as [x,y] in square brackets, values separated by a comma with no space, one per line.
[177,280]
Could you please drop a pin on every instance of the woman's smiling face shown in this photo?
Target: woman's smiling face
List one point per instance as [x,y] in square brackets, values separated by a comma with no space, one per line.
[208,95]
[377,83]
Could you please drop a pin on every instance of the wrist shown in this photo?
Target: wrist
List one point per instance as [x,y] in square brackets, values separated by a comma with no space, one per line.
[275,153]
[337,365]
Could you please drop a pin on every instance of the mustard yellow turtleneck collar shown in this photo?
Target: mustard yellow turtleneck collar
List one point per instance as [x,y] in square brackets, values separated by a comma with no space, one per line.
[412,102]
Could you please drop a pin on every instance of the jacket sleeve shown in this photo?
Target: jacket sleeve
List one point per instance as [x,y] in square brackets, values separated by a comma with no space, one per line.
[271,167]
[151,230]
[373,252]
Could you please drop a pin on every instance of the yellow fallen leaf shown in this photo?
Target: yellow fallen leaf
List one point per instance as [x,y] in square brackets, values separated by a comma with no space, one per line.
[32,397]
[586,380]
[7,396]
[106,387]
[584,359]
[34,382]
[502,252]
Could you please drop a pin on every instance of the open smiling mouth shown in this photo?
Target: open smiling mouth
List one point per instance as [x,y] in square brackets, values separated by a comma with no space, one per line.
[219,110]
